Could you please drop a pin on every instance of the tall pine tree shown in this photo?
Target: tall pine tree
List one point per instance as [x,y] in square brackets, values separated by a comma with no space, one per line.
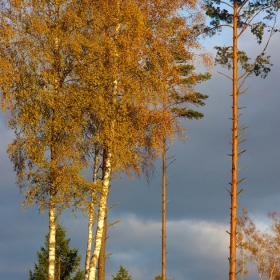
[240,16]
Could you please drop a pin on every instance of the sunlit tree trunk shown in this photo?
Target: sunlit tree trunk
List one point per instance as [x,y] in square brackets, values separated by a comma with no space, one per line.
[102,214]
[234,166]
[52,218]
[91,217]
[242,16]
[106,168]
[102,255]
[52,230]
[89,241]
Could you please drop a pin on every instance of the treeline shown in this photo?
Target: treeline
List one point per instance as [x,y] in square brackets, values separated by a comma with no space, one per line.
[104,84]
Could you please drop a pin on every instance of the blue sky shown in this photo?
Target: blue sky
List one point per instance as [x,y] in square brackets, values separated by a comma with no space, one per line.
[198,208]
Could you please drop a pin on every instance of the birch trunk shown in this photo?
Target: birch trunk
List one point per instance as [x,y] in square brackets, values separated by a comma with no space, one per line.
[90,238]
[102,255]
[91,218]
[52,206]
[106,171]
[101,216]
[52,229]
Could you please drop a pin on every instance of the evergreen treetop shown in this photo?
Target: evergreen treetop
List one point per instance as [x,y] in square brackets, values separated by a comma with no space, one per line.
[122,274]
[67,259]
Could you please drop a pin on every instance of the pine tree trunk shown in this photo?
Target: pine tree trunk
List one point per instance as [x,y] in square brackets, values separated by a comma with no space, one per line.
[234,170]
[101,215]
[52,231]
[163,238]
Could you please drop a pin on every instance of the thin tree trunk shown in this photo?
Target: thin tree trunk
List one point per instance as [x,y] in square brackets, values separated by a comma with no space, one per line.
[101,214]
[243,261]
[91,218]
[102,255]
[234,168]
[163,235]
[58,268]
[52,231]
[89,241]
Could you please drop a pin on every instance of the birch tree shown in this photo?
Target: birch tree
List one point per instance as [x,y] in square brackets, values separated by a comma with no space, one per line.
[261,246]
[240,16]
[115,135]
[136,70]
[43,104]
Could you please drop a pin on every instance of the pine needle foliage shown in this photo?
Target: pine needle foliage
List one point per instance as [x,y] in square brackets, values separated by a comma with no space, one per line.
[122,274]
[67,260]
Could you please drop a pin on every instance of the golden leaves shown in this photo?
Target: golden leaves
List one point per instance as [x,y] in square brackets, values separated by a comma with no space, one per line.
[85,74]
[47,120]
[260,247]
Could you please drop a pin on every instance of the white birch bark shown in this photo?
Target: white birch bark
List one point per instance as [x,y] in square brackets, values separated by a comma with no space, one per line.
[52,206]
[52,229]
[89,241]
[91,218]
[105,179]
[101,216]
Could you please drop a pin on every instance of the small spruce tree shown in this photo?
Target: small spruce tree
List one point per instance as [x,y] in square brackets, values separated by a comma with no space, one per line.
[122,274]
[67,260]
